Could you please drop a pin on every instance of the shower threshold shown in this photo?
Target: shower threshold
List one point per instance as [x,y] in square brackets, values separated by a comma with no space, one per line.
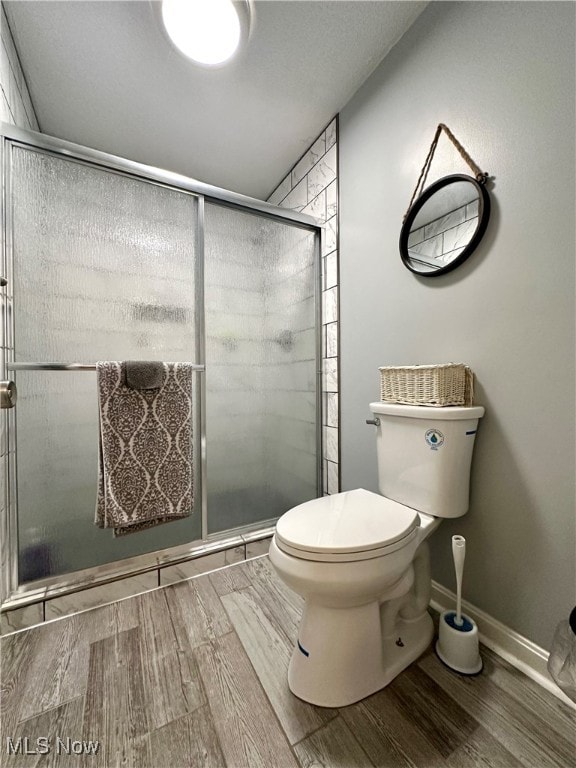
[58,586]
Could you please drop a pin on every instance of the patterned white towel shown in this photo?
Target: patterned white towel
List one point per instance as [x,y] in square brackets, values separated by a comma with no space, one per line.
[145,472]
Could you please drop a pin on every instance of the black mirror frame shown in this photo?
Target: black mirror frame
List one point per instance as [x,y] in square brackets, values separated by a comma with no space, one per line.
[483,217]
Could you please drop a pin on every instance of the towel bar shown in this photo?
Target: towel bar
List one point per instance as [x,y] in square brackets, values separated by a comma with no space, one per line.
[66,367]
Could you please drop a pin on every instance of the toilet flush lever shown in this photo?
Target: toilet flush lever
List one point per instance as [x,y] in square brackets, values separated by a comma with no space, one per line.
[375,421]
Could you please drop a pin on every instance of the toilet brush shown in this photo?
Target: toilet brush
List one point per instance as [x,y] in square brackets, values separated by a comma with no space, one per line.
[458,553]
[457,644]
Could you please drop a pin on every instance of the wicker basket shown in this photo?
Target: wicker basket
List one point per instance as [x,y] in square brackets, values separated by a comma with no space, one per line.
[437,385]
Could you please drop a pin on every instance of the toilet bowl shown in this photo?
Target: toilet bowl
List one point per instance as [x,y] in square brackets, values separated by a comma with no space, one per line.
[360,559]
[366,592]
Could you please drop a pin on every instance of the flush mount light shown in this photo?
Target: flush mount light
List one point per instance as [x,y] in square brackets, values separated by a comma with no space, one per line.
[206,31]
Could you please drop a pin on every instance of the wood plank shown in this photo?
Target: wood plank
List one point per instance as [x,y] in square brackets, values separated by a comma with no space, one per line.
[115,710]
[441,720]
[269,651]
[284,604]
[172,684]
[331,747]
[189,741]
[410,722]
[58,668]
[47,733]
[96,624]
[196,609]
[249,733]
[228,579]
[481,750]
[17,654]
[133,665]
[53,658]
[390,735]
[553,712]
[517,728]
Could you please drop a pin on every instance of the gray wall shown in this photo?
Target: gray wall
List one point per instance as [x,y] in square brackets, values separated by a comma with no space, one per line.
[501,76]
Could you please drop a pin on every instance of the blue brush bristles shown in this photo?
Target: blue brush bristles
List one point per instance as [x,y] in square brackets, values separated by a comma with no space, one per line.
[466,625]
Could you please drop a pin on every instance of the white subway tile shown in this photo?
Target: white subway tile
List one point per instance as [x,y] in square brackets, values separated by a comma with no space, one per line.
[96,596]
[332,409]
[297,199]
[21,618]
[257,548]
[323,173]
[448,257]
[472,209]
[330,305]
[330,235]
[460,236]
[309,160]
[332,199]
[331,443]
[332,339]
[430,248]
[281,191]
[331,134]
[416,236]
[317,207]
[330,375]
[440,225]
[333,485]
[331,269]
[205,564]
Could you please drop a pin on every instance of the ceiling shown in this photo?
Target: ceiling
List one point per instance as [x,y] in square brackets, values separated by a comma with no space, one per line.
[104,75]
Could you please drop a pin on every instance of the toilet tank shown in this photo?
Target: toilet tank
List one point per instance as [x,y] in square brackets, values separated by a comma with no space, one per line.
[425,454]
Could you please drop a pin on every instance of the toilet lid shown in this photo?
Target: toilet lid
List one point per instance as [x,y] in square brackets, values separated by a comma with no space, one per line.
[358,524]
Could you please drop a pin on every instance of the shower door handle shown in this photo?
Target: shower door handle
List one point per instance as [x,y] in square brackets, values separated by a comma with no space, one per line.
[8,394]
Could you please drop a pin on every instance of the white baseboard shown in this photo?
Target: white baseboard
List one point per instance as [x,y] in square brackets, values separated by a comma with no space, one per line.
[522,653]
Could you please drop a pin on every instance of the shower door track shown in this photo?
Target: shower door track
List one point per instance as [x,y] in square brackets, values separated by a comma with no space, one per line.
[14,595]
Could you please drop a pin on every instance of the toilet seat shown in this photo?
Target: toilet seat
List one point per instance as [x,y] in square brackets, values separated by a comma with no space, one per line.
[346,527]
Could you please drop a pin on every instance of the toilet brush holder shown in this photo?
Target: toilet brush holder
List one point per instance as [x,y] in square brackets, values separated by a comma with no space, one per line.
[457,645]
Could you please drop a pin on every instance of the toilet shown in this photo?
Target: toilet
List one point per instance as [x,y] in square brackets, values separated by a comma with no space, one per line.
[360,559]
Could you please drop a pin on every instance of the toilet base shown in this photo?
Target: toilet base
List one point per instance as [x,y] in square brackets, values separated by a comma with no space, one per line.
[340,656]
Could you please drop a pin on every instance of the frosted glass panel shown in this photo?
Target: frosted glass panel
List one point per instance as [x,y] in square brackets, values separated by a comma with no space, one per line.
[103,270]
[260,367]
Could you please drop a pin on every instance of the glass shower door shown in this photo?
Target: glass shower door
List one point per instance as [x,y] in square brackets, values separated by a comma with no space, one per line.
[261,367]
[104,268]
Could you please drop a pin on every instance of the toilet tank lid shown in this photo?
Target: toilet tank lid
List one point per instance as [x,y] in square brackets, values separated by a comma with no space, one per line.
[352,521]
[443,413]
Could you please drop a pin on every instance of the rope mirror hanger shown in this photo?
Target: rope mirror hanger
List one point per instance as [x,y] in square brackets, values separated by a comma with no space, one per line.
[445,222]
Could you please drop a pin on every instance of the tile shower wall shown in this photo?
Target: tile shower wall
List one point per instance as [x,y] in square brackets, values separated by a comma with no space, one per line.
[234,279]
[99,289]
[312,187]
[15,108]
[290,399]
[260,377]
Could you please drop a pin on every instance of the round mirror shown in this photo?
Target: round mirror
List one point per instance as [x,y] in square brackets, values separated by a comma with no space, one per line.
[444,225]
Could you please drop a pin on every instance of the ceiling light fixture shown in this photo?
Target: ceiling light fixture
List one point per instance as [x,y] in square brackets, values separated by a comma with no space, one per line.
[206,31]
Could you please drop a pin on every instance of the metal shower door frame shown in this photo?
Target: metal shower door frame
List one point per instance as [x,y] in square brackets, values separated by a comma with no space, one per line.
[12,593]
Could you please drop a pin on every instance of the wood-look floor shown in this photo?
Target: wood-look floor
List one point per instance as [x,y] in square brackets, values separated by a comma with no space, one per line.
[194,675]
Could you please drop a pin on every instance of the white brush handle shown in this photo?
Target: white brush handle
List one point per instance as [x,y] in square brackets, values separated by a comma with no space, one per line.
[458,553]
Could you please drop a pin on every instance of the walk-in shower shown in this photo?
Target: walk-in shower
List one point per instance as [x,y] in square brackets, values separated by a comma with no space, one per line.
[106,259]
